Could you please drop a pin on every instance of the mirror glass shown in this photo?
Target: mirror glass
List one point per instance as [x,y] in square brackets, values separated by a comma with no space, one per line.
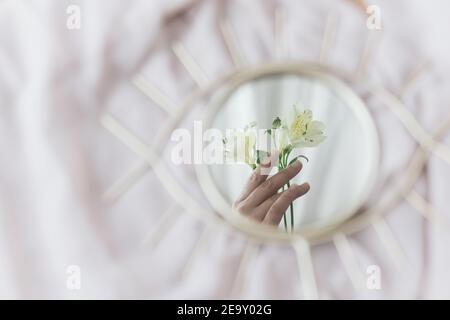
[340,171]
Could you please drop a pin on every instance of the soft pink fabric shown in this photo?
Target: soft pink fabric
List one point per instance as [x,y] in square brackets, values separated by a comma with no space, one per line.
[56,159]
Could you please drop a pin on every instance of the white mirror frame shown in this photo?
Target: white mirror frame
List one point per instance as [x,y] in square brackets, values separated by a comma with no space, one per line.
[352,101]
[402,189]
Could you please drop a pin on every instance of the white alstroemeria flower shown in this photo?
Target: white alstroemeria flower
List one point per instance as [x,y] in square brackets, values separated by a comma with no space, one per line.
[304,131]
[240,145]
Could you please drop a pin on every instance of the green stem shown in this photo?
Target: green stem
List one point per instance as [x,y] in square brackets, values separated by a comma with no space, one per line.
[291,207]
[284,157]
[280,167]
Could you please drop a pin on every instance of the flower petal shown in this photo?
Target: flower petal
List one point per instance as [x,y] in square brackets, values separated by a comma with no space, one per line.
[307,115]
[315,127]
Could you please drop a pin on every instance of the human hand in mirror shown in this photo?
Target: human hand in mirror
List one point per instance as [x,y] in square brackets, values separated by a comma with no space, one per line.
[261,198]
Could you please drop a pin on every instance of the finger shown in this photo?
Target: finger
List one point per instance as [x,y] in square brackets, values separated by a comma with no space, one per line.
[259,175]
[280,206]
[272,185]
[260,212]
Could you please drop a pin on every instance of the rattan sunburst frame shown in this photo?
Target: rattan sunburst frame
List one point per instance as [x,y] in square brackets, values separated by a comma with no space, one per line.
[401,189]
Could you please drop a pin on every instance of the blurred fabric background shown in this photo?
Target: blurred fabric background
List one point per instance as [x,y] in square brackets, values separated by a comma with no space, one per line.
[56,160]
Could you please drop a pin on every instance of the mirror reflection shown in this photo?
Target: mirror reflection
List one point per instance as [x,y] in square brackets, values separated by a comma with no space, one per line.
[340,172]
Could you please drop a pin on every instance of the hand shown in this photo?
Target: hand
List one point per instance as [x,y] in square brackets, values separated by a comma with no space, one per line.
[260,199]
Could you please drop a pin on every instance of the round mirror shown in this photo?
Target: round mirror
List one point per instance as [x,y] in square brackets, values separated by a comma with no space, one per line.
[341,171]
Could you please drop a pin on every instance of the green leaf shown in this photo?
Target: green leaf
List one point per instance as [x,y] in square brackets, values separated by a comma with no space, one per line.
[276,123]
[268,131]
[300,156]
[288,149]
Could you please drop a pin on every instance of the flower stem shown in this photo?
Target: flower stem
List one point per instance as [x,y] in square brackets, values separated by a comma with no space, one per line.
[291,207]
[288,184]
[284,214]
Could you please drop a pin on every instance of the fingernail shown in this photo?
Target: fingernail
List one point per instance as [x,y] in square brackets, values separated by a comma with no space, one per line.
[307,186]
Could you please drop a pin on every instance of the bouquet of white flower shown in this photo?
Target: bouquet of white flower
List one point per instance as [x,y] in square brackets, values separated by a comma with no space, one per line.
[297,131]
